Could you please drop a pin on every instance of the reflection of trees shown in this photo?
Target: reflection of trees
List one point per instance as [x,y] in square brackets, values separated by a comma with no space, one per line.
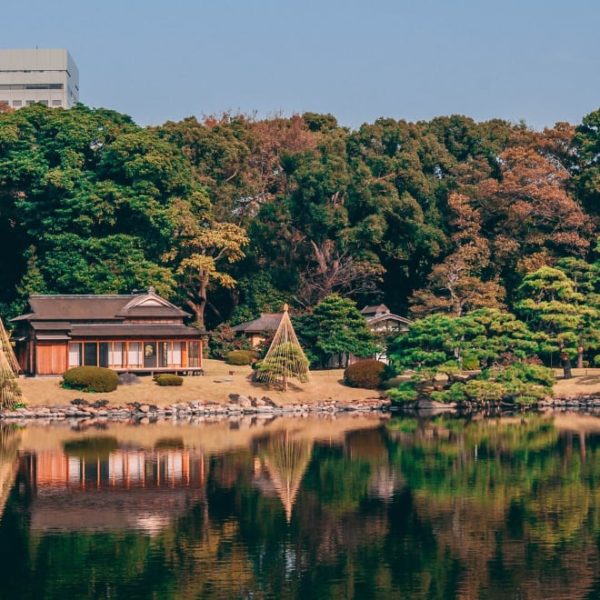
[510,500]
[441,509]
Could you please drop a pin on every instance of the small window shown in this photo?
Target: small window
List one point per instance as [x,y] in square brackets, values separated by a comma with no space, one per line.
[74,355]
[103,352]
[194,360]
[134,356]
[117,355]
[56,102]
[175,358]
[163,354]
[17,103]
[90,354]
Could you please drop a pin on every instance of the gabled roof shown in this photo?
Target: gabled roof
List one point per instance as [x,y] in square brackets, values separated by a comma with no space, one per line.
[99,307]
[266,322]
[388,317]
[372,310]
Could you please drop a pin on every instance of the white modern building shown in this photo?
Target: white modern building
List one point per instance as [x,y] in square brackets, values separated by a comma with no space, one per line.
[48,77]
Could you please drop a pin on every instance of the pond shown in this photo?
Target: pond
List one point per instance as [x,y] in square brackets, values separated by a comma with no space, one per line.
[362,506]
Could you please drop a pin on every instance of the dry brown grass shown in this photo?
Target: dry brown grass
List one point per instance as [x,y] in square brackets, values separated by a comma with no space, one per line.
[215,386]
[585,381]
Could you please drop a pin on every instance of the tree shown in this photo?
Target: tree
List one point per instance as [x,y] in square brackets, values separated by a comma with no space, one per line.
[456,285]
[548,302]
[336,328]
[587,169]
[202,251]
[483,338]
[530,211]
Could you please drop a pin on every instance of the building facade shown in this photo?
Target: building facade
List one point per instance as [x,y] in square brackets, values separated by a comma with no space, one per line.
[140,333]
[48,77]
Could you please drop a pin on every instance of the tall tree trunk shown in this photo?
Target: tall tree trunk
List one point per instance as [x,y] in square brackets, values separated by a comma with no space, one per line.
[198,308]
[198,305]
[567,369]
[580,357]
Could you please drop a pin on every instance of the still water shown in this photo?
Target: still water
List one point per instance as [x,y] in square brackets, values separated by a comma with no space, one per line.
[348,507]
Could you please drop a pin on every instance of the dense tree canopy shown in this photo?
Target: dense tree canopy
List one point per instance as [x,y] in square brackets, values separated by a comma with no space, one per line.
[233,216]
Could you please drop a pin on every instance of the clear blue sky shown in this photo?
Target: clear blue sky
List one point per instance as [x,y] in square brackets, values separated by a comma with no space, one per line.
[537,60]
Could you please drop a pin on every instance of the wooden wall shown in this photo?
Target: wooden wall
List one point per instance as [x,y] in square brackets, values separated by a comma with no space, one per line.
[51,358]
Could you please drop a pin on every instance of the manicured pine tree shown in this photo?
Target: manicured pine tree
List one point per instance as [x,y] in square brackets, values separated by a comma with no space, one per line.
[551,305]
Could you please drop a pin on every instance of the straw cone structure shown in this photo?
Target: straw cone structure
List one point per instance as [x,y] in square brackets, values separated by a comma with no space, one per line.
[287,461]
[7,349]
[285,359]
[10,392]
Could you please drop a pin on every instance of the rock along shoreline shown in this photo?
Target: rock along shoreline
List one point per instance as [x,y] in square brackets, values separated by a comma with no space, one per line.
[238,405]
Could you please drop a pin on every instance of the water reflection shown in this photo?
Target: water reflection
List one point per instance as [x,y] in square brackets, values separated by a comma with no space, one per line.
[351,507]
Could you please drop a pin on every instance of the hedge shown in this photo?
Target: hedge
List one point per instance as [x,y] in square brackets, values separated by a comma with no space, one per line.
[166,379]
[365,374]
[240,357]
[91,379]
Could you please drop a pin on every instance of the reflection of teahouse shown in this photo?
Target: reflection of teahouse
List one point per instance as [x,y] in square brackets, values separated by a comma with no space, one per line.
[139,332]
[123,489]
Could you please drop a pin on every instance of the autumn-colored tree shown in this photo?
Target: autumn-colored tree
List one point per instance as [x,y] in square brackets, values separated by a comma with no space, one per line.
[204,248]
[456,285]
[529,213]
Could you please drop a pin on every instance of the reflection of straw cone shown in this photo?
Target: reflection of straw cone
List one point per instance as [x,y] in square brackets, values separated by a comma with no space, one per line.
[9,444]
[287,461]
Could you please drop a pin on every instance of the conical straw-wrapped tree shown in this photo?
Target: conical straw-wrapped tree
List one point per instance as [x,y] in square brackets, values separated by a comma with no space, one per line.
[10,392]
[285,359]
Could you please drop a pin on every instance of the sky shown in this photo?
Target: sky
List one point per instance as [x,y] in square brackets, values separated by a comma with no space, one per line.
[158,60]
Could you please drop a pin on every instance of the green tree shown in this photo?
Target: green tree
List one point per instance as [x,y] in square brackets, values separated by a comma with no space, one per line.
[337,329]
[549,303]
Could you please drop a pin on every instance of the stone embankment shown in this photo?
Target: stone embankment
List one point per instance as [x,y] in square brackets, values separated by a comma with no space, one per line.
[237,405]
[576,401]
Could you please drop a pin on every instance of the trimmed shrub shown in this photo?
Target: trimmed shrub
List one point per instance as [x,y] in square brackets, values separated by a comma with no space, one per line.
[365,374]
[90,379]
[240,357]
[167,379]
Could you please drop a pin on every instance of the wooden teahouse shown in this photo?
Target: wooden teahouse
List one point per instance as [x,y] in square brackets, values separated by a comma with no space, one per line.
[128,333]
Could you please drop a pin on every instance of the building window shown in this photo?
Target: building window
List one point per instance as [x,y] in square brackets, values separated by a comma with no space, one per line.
[90,354]
[56,102]
[163,354]
[103,348]
[116,359]
[175,358]
[194,359]
[17,103]
[134,355]
[74,355]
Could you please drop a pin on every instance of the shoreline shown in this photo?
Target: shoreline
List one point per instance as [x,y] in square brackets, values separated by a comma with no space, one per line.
[238,406]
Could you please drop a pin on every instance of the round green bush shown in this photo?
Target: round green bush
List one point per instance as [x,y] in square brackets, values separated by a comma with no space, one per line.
[90,379]
[240,357]
[166,379]
[365,374]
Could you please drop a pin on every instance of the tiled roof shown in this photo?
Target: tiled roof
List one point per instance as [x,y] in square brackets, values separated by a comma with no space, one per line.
[100,307]
[371,310]
[266,322]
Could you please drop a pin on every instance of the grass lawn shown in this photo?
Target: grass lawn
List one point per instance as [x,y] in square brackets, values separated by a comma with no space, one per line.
[215,385]
[584,381]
